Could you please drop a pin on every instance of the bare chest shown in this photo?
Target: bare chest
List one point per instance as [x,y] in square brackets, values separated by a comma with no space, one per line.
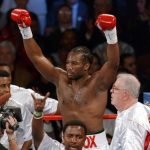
[73,97]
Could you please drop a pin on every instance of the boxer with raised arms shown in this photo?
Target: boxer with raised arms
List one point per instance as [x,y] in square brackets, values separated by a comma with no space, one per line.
[81,96]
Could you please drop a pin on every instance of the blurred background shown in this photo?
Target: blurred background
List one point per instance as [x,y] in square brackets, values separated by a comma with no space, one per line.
[60,25]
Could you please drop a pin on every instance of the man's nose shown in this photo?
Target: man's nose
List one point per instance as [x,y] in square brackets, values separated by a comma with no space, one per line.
[69,66]
[74,139]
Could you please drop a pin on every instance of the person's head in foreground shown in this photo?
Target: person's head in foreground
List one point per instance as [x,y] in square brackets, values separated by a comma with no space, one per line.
[125,91]
[74,135]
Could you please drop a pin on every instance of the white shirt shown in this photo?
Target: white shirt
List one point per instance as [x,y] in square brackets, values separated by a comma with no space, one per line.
[131,128]
[21,97]
[24,97]
[23,133]
[51,144]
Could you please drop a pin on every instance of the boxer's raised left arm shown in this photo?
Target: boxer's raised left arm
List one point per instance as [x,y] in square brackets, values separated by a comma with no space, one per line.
[106,75]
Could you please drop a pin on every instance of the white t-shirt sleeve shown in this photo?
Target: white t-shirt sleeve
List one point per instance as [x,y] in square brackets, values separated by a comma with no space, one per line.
[24,97]
[49,144]
[26,123]
[50,105]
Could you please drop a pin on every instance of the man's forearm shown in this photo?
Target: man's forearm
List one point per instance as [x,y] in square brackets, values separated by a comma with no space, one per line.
[113,54]
[26,145]
[37,131]
[12,143]
[32,49]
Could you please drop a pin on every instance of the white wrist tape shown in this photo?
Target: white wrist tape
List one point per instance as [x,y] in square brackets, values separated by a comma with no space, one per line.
[26,32]
[111,36]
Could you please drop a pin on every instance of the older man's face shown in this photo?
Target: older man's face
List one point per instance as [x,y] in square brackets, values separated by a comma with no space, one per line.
[117,93]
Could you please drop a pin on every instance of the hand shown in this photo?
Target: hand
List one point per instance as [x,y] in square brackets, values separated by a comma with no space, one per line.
[40,103]
[9,125]
[106,22]
[21,17]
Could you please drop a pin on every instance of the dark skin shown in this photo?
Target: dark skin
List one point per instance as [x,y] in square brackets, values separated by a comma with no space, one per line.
[38,136]
[73,136]
[81,96]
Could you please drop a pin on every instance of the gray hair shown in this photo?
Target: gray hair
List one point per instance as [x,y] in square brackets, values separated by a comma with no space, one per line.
[9,45]
[130,83]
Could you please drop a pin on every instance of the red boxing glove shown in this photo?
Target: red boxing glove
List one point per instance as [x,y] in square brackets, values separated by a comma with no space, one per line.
[21,17]
[107,23]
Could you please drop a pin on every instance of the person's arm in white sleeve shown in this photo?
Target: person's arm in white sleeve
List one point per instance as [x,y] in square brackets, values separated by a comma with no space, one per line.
[133,137]
[26,126]
[51,105]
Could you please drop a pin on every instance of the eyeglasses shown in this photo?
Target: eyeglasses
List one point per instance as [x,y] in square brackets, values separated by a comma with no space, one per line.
[114,88]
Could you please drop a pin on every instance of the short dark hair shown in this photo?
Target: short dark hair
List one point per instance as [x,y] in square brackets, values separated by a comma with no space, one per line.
[87,56]
[4,73]
[75,123]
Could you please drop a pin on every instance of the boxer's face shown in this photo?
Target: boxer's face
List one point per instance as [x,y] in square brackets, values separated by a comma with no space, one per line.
[74,138]
[76,66]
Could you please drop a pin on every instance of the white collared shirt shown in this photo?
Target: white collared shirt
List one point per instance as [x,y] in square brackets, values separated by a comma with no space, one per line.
[131,128]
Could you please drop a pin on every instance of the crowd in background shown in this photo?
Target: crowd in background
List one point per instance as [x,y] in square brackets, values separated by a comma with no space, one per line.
[60,25]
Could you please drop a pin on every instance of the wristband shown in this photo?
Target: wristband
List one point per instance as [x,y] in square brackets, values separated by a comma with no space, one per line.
[12,138]
[111,36]
[37,115]
[26,32]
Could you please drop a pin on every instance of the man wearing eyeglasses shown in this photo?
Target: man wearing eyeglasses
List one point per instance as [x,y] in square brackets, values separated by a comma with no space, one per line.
[132,129]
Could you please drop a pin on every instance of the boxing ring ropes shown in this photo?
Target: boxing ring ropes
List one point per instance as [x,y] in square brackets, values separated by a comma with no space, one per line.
[105,116]
[59,117]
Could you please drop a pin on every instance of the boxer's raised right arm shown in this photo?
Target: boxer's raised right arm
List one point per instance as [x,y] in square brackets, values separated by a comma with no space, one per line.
[34,52]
